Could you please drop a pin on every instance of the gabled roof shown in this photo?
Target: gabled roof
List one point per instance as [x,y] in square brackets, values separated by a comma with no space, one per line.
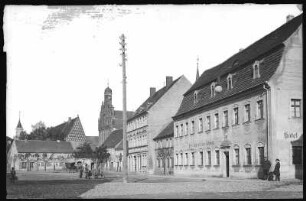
[113,139]
[64,128]
[145,106]
[119,146]
[166,132]
[93,141]
[268,42]
[39,146]
[269,49]
[119,118]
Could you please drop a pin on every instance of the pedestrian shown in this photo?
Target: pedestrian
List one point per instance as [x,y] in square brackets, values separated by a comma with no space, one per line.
[266,167]
[13,175]
[81,171]
[276,170]
[86,171]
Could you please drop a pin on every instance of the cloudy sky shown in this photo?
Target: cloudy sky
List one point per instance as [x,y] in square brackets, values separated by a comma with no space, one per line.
[60,58]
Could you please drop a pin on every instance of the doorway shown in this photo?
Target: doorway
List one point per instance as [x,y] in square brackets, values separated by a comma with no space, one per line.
[226,153]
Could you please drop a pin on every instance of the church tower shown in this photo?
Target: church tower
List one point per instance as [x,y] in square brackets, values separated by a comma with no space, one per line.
[19,129]
[105,122]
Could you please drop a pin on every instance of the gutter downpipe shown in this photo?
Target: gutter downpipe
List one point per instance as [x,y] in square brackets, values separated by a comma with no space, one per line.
[267,88]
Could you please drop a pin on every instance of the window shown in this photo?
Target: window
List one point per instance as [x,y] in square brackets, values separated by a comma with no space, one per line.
[247,113]
[248,156]
[208,122]
[217,157]
[216,120]
[181,161]
[200,125]
[297,152]
[229,81]
[212,89]
[259,109]
[295,108]
[158,161]
[186,158]
[186,128]
[225,118]
[201,157]
[23,165]
[261,152]
[237,161]
[235,115]
[182,129]
[208,157]
[192,158]
[195,97]
[177,159]
[192,127]
[177,131]
[256,73]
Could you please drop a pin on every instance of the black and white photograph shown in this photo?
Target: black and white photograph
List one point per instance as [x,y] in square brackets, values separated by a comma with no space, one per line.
[154,101]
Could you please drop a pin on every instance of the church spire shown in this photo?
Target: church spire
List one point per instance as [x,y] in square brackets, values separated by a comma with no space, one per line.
[197,75]
[19,123]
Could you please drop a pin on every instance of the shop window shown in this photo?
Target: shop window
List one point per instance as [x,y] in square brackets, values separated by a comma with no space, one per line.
[295,108]
[297,152]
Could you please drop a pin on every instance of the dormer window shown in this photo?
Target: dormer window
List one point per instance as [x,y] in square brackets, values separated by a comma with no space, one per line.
[195,96]
[212,89]
[256,73]
[229,81]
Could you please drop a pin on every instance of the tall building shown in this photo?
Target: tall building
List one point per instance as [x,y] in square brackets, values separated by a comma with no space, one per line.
[244,109]
[19,129]
[109,119]
[152,116]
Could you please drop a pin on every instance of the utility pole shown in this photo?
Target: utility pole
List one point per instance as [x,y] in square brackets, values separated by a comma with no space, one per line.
[124,158]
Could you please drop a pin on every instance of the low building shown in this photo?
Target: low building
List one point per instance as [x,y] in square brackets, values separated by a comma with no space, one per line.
[247,108]
[164,151]
[35,155]
[149,119]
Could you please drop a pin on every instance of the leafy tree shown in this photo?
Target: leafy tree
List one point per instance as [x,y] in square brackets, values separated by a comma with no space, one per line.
[101,154]
[23,135]
[38,125]
[38,134]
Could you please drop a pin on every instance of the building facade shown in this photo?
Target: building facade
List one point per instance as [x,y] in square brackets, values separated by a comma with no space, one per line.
[164,151]
[247,108]
[109,119]
[149,119]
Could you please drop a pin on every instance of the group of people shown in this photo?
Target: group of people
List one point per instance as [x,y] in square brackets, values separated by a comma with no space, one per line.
[266,170]
[89,173]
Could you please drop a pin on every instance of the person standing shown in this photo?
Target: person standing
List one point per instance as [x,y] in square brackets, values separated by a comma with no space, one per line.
[81,171]
[13,175]
[266,167]
[86,171]
[276,170]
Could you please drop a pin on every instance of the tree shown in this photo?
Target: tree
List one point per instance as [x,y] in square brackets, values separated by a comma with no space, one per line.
[38,134]
[101,154]
[38,125]
[23,135]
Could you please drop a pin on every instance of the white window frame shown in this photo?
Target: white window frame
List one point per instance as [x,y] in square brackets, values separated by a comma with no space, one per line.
[229,81]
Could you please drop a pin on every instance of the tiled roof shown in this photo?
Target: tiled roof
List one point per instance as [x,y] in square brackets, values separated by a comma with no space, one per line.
[119,118]
[269,48]
[119,146]
[113,139]
[93,140]
[166,132]
[145,106]
[39,146]
[64,128]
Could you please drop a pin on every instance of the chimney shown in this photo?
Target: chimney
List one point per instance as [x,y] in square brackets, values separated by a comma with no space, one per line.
[168,80]
[289,17]
[152,91]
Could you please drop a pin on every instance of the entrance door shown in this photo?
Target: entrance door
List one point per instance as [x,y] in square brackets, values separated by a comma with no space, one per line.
[227,163]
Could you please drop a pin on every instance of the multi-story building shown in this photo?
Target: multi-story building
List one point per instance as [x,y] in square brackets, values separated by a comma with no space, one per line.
[149,119]
[109,119]
[244,109]
[164,151]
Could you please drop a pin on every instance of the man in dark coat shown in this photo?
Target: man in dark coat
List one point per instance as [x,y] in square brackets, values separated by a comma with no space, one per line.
[276,170]
[266,167]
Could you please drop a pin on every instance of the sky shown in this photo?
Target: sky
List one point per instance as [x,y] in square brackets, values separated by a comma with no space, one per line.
[60,59]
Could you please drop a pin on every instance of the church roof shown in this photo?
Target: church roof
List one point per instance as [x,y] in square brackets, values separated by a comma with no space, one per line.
[64,128]
[19,124]
[113,139]
[147,104]
[166,132]
[40,146]
[108,90]
[268,49]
